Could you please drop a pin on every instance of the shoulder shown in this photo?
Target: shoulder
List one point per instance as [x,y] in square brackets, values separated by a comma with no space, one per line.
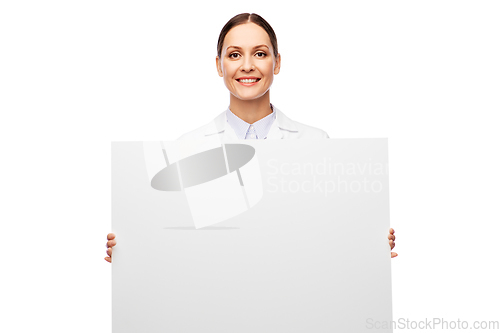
[213,127]
[297,130]
[194,134]
[310,132]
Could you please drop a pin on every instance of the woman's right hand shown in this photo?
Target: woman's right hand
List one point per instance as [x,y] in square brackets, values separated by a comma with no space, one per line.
[109,244]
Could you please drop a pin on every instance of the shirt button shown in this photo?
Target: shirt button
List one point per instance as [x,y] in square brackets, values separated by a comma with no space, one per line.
[251,127]
[252,136]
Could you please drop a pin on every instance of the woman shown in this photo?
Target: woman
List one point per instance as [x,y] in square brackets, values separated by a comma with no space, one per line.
[247,59]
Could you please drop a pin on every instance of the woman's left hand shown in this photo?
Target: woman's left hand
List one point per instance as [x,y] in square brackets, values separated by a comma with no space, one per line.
[392,239]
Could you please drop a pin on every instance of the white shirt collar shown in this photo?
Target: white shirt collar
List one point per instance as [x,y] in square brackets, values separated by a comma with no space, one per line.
[260,128]
[282,123]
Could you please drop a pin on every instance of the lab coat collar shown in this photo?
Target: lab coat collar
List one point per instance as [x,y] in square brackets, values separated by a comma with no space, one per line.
[279,128]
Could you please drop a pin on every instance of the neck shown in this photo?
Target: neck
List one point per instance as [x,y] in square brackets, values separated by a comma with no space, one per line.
[252,110]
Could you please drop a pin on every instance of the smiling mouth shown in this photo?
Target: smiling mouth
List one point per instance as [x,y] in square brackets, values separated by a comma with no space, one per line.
[248,80]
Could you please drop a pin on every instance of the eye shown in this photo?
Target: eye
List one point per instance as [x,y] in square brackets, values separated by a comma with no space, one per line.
[233,55]
[262,54]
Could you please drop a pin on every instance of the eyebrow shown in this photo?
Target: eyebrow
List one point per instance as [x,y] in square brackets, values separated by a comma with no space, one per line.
[255,47]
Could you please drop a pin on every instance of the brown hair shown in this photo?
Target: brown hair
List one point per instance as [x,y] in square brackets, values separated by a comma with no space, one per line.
[246,18]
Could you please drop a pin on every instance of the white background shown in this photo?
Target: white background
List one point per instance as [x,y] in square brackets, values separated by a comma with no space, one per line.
[75,76]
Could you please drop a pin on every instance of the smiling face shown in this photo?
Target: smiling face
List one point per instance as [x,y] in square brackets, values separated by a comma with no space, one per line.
[247,62]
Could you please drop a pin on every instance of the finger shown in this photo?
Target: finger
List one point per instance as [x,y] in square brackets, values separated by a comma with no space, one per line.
[111,243]
[391,237]
[109,251]
[394,254]
[392,244]
[391,231]
[111,236]
[108,259]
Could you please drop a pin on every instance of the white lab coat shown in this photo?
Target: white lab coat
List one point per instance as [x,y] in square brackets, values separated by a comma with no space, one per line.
[282,128]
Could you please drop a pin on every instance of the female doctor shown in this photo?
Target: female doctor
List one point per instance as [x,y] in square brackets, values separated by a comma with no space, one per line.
[247,59]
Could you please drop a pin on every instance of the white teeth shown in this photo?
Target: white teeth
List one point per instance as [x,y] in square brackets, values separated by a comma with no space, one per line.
[248,80]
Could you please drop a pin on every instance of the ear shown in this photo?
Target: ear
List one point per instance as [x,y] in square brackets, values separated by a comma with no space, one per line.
[219,68]
[277,64]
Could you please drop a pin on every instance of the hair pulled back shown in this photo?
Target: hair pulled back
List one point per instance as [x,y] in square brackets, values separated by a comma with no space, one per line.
[247,18]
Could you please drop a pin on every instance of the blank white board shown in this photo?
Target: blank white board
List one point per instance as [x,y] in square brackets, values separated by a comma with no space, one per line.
[308,254]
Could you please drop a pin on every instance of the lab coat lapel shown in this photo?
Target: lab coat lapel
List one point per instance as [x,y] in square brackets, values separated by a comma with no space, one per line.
[282,126]
[229,133]
[274,132]
[221,127]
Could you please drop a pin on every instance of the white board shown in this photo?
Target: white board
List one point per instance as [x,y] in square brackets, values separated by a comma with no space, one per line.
[309,255]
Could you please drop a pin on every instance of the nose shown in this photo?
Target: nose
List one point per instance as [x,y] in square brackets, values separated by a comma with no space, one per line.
[247,65]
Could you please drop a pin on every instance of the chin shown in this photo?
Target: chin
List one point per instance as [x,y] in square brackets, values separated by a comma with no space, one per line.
[249,97]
